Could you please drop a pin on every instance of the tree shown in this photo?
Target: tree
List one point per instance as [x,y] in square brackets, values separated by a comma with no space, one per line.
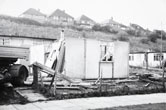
[153,37]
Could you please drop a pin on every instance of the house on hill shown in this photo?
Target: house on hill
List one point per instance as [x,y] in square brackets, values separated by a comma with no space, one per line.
[136,26]
[139,31]
[61,17]
[111,22]
[34,15]
[85,22]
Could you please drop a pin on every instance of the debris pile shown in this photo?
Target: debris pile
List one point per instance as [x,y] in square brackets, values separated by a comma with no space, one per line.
[10,96]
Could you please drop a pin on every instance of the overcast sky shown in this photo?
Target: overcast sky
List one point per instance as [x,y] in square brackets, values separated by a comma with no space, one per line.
[147,13]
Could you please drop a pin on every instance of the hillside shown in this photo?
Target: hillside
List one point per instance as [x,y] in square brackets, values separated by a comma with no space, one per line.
[26,27]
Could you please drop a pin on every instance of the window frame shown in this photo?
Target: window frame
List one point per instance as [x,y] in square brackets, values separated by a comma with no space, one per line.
[105,56]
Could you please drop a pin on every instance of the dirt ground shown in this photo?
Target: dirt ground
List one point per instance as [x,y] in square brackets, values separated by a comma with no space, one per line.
[8,95]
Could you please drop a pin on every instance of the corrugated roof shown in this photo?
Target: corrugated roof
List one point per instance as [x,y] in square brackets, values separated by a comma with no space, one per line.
[61,13]
[85,18]
[32,11]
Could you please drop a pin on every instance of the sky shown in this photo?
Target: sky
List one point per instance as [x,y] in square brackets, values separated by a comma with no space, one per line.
[149,14]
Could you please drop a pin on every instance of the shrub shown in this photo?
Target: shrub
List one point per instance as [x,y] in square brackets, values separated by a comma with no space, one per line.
[96,28]
[136,33]
[122,33]
[123,38]
[113,31]
[144,41]
[131,32]
[27,21]
[152,37]
[105,29]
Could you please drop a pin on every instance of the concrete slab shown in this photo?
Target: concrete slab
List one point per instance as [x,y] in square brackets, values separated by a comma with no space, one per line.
[90,103]
[31,95]
[29,106]
[7,107]
[52,108]
[44,104]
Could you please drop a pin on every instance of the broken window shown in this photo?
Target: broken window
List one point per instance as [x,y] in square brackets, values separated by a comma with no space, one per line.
[106,54]
[131,57]
[158,57]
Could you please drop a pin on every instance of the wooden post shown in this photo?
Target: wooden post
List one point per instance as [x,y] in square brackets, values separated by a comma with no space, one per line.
[55,80]
[163,79]
[85,57]
[163,82]
[101,75]
[146,59]
[35,76]
[112,69]
[41,78]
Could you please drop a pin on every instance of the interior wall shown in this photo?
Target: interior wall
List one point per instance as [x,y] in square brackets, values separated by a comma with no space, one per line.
[92,58]
[121,62]
[74,58]
[37,54]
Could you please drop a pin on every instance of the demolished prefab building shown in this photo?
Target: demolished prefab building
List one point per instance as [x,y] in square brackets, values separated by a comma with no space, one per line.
[87,58]
[90,58]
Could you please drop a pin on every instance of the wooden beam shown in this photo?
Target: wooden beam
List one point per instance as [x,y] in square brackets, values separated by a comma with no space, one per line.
[35,76]
[50,71]
[14,52]
[44,68]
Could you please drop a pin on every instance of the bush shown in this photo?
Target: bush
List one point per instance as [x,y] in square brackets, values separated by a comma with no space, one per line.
[113,31]
[131,32]
[27,21]
[122,33]
[144,41]
[123,38]
[96,28]
[106,29]
[152,37]
[136,33]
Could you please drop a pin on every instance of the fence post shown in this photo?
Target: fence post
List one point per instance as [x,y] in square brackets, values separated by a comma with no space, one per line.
[163,79]
[35,76]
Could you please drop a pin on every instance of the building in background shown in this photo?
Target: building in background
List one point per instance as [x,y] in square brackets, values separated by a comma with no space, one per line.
[85,22]
[61,18]
[27,42]
[34,15]
[146,59]
[114,24]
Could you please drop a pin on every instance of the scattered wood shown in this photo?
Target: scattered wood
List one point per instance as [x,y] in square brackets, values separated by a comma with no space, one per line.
[153,82]
[30,94]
